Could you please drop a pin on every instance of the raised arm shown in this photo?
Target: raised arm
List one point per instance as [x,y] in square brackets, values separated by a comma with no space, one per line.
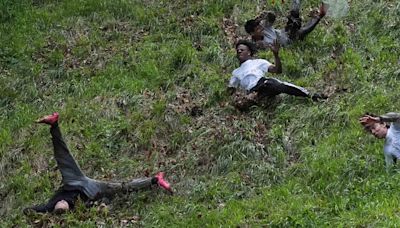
[303,31]
[390,117]
[367,120]
[277,67]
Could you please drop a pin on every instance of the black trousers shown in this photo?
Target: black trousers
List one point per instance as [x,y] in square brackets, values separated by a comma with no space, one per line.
[269,87]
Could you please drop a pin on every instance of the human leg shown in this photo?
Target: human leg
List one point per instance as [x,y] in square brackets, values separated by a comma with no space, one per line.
[69,169]
[72,176]
[295,7]
[111,188]
[271,87]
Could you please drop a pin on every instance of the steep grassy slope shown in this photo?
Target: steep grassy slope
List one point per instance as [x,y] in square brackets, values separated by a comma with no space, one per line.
[140,88]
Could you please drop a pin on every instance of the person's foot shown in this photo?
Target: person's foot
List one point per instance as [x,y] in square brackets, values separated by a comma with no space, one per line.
[50,119]
[163,183]
[318,96]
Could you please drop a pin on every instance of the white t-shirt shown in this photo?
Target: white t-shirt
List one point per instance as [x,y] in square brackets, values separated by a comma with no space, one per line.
[249,73]
[392,144]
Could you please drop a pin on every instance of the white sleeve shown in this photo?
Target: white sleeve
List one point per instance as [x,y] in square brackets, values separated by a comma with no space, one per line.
[234,82]
[264,65]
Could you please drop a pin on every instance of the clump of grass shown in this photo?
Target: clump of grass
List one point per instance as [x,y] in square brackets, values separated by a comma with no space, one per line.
[141,88]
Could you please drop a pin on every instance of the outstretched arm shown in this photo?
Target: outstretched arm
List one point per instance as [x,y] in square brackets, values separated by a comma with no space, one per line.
[368,120]
[277,67]
[390,117]
[310,26]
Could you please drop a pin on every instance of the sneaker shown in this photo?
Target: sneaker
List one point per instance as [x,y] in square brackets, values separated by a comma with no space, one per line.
[163,183]
[317,97]
[50,119]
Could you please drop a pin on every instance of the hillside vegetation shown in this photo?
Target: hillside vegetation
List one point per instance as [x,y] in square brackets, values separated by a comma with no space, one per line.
[140,87]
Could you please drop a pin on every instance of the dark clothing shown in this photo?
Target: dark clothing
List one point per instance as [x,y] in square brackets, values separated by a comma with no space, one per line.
[72,176]
[294,27]
[269,87]
[76,184]
[61,194]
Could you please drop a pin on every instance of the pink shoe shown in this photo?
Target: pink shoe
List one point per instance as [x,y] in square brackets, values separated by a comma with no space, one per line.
[163,183]
[50,119]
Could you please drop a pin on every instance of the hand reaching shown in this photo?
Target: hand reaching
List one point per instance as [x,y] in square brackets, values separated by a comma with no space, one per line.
[368,120]
[322,10]
[275,47]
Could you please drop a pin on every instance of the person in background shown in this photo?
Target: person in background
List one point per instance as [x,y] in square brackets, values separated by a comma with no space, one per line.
[250,76]
[378,126]
[262,29]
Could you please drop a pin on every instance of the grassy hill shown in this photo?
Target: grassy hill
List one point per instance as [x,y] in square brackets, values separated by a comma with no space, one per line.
[140,87]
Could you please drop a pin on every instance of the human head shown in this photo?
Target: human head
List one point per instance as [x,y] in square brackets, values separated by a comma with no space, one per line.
[245,50]
[254,28]
[61,206]
[379,129]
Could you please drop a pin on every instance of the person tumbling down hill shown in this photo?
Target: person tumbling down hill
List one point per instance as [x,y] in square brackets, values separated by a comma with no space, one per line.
[377,125]
[262,29]
[250,75]
[75,184]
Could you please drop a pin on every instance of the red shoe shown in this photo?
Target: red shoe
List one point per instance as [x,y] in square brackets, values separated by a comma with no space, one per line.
[50,119]
[163,183]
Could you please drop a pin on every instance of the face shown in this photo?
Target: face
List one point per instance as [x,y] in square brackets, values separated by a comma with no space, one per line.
[243,53]
[379,130]
[258,33]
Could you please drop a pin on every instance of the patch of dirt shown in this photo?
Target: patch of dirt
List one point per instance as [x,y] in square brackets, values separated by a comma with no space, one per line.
[184,103]
[231,30]
[243,102]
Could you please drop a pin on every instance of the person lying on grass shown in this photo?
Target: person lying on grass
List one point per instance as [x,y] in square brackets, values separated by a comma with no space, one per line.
[250,75]
[75,184]
[263,32]
[377,125]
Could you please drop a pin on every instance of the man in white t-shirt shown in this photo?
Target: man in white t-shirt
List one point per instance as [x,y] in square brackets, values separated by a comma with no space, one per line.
[263,32]
[250,75]
[378,127]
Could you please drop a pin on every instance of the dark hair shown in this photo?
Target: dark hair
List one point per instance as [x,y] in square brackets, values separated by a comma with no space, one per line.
[270,17]
[252,47]
[250,26]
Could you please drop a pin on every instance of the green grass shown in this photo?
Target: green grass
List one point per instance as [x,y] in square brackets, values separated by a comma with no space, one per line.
[126,76]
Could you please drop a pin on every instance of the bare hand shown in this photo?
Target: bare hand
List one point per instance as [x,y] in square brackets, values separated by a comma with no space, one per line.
[323,9]
[275,47]
[368,120]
